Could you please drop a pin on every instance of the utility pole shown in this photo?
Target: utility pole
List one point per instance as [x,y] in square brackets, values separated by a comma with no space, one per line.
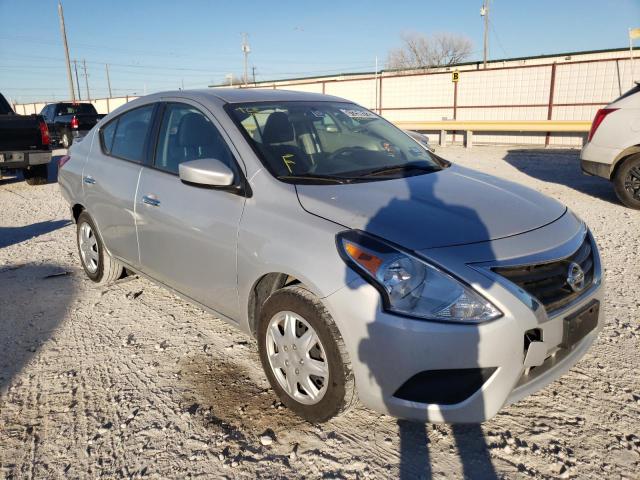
[63,31]
[484,12]
[375,81]
[86,78]
[633,34]
[245,50]
[75,67]
[253,71]
[106,66]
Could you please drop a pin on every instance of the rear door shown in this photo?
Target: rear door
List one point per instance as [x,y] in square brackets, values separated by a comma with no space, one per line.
[111,176]
[187,233]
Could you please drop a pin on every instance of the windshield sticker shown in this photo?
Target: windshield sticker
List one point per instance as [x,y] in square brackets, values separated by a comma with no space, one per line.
[317,113]
[288,162]
[350,112]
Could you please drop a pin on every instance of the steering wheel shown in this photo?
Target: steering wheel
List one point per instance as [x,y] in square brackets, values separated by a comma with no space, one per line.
[343,151]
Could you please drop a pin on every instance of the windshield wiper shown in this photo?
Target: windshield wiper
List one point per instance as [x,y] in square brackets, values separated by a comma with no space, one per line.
[401,168]
[314,178]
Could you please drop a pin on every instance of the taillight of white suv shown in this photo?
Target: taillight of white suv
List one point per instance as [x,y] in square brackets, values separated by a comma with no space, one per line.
[598,119]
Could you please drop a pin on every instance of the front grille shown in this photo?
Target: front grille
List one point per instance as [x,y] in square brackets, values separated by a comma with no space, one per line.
[547,282]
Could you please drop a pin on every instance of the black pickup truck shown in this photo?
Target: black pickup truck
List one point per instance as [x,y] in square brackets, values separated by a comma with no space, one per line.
[24,144]
[69,121]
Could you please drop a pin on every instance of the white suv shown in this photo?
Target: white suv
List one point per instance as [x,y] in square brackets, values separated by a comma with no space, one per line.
[613,147]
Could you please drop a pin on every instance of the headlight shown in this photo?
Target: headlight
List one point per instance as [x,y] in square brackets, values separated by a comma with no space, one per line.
[409,285]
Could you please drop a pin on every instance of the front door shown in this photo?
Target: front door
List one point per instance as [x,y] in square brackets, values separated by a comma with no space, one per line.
[188,234]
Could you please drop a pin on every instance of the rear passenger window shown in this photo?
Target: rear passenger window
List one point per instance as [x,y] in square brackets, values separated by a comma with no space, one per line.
[126,136]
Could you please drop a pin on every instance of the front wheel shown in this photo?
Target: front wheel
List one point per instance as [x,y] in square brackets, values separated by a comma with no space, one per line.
[626,182]
[304,356]
[99,266]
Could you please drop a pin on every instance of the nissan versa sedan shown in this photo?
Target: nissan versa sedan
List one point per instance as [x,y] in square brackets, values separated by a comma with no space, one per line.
[365,266]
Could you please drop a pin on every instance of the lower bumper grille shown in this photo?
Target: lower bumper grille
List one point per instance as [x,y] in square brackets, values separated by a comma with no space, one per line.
[551,283]
[444,387]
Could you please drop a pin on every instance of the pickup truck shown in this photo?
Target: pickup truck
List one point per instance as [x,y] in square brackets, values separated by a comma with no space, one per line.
[69,121]
[24,144]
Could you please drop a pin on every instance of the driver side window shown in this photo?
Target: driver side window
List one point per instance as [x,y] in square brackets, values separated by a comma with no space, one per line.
[187,134]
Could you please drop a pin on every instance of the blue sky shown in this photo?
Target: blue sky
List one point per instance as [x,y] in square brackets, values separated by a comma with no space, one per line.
[158,45]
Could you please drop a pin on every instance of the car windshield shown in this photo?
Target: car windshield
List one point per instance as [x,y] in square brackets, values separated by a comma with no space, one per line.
[330,141]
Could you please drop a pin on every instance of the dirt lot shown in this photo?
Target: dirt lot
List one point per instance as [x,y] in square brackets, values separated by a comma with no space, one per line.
[130,381]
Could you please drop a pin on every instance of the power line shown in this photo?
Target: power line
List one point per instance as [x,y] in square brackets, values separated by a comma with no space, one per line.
[495,33]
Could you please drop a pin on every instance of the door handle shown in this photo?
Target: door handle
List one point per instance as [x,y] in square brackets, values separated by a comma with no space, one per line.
[89,180]
[150,200]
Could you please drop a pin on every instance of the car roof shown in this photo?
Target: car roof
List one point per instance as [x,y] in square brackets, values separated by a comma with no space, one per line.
[243,95]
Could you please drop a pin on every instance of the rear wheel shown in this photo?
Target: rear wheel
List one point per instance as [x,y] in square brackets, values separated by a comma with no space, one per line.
[96,261]
[626,182]
[304,356]
[36,175]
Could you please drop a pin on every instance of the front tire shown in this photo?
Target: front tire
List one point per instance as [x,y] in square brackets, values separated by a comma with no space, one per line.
[96,261]
[304,356]
[626,182]
[36,175]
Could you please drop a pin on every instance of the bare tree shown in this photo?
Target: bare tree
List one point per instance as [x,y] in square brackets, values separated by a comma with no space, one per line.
[438,50]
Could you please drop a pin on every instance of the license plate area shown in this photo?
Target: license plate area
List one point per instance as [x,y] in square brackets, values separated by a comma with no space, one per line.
[579,324]
[12,157]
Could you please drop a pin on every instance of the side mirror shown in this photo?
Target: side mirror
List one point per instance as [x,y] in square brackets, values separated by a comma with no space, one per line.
[206,171]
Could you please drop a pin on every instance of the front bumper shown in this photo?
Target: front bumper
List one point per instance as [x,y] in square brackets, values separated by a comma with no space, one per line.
[18,159]
[387,350]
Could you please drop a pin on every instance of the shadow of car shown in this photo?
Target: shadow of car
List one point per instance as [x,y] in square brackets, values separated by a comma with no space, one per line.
[560,166]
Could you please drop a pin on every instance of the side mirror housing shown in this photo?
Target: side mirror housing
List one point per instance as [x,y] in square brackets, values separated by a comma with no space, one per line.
[206,172]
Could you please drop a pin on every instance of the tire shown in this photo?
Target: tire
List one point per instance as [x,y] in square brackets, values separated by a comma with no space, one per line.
[626,182]
[66,140]
[99,266]
[338,390]
[36,175]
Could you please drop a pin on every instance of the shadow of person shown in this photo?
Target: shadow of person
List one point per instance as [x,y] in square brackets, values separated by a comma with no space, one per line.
[35,299]
[561,167]
[13,235]
[430,211]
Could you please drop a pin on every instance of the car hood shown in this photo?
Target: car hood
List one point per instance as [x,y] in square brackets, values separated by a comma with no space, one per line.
[455,206]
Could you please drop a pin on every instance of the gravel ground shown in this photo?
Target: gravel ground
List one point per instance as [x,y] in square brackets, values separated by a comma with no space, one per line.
[130,381]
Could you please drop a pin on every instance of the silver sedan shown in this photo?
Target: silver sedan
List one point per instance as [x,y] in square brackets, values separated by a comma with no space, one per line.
[365,265]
